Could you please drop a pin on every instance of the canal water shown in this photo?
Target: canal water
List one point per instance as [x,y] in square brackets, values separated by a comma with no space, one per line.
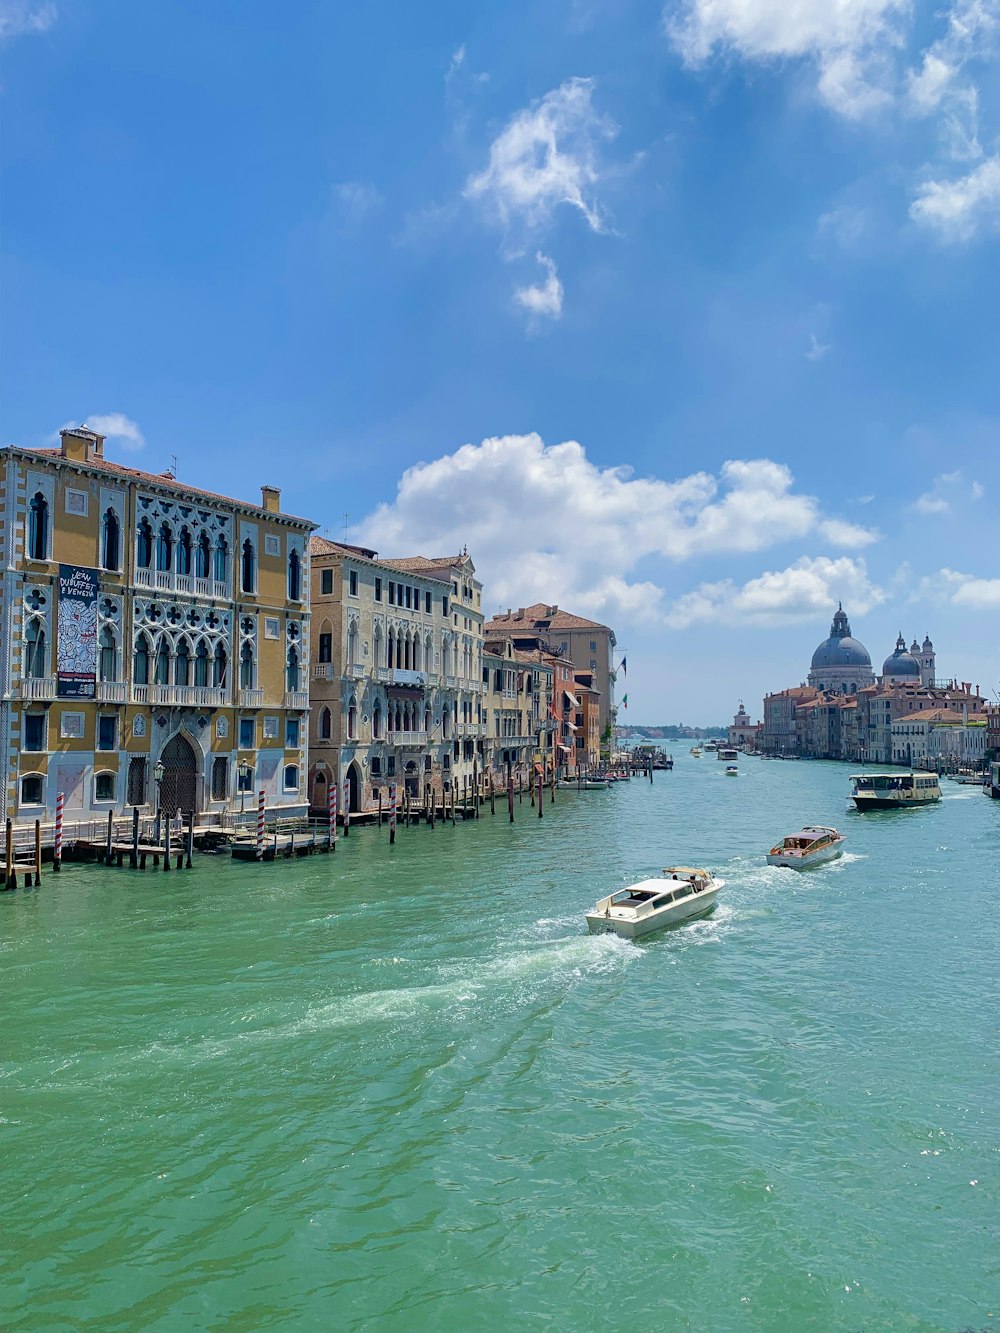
[401,1089]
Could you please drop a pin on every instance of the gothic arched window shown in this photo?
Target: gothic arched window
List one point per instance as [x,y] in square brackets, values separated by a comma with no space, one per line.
[144,545]
[38,528]
[164,548]
[110,545]
[294,577]
[248,567]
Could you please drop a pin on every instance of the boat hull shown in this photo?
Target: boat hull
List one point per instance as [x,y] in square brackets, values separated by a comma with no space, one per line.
[804,862]
[675,914]
[883,803]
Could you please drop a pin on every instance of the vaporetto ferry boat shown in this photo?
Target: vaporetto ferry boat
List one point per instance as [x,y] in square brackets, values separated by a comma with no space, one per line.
[894,791]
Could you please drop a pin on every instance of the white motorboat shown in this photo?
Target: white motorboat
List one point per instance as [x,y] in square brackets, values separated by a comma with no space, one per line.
[732,771]
[811,846]
[681,894]
[696,751]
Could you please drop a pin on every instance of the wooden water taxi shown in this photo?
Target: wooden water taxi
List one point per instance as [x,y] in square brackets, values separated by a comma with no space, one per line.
[682,894]
[811,846]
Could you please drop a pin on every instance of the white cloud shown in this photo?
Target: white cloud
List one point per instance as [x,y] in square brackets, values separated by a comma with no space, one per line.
[957,209]
[963,590]
[119,429]
[801,592]
[356,199]
[848,536]
[947,490]
[817,350]
[937,86]
[580,532]
[544,157]
[19,18]
[543,300]
[845,224]
[850,42]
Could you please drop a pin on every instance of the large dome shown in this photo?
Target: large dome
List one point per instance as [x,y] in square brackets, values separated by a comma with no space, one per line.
[840,650]
[900,663]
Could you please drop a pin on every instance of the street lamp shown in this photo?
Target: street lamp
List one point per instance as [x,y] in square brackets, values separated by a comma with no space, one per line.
[158,772]
[244,770]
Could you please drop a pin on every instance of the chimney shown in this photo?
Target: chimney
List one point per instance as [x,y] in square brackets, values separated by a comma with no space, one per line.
[270,499]
[520,613]
[552,610]
[80,444]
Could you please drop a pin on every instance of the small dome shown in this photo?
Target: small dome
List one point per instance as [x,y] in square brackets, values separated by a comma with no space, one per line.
[914,647]
[901,663]
[928,646]
[840,650]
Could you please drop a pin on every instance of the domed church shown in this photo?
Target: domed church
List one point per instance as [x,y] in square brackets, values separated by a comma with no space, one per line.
[841,663]
[913,666]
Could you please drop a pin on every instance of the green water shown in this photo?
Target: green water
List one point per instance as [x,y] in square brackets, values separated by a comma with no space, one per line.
[400,1089]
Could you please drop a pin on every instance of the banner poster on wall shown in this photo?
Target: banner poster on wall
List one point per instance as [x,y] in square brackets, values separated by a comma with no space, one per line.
[76,660]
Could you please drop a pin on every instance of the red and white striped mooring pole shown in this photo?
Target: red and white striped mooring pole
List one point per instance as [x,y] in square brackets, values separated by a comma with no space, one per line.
[57,849]
[260,825]
[347,807]
[333,816]
[392,813]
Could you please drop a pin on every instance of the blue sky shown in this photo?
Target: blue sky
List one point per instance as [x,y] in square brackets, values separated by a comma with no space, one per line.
[682,317]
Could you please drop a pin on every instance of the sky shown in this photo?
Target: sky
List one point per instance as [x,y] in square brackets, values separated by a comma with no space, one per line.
[680,316]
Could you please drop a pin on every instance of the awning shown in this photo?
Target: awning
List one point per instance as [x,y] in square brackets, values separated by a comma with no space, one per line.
[567,748]
[572,698]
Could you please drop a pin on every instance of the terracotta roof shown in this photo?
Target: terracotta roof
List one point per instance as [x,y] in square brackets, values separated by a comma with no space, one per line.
[414,564]
[324,546]
[553,617]
[165,480]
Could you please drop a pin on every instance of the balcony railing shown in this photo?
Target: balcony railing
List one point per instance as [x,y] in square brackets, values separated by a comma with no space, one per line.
[38,687]
[383,673]
[431,677]
[355,670]
[166,580]
[417,738]
[298,699]
[111,691]
[252,698]
[450,682]
[181,696]
[324,671]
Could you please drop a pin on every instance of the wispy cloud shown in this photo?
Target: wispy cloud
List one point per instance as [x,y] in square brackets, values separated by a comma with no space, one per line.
[542,300]
[545,161]
[545,157]
[960,208]
[948,490]
[817,350]
[19,18]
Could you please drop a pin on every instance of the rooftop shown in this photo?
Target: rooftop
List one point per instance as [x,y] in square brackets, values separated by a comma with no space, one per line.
[544,615]
[165,480]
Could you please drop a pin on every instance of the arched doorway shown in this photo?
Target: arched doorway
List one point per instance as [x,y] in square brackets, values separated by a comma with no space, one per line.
[354,788]
[179,788]
[320,791]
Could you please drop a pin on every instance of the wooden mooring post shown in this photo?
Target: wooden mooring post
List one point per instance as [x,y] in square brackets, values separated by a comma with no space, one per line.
[10,875]
[109,856]
[493,802]
[510,795]
[133,859]
[541,792]
[38,852]
[392,815]
[190,840]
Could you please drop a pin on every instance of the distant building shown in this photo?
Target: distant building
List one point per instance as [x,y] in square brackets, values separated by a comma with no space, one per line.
[743,732]
[586,643]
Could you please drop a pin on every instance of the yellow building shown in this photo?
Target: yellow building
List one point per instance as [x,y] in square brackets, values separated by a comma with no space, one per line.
[154,640]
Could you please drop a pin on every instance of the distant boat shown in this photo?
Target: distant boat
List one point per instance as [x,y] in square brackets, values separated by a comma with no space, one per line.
[732,771]
[695,750]
[894,791]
